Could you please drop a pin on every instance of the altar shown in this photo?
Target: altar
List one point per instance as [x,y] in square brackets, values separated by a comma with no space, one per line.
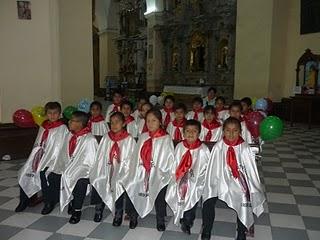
[185,94]
[186,90]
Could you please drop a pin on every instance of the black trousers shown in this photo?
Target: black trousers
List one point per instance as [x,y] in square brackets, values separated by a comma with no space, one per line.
[189,216]
[119,204]
[208,215]
[79,193]
[23,196]
[50,187]
[161,206]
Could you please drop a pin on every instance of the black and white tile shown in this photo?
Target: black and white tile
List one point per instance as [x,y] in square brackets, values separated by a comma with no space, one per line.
[289,170]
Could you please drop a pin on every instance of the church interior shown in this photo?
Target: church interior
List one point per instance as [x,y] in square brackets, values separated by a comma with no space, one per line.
[78,51]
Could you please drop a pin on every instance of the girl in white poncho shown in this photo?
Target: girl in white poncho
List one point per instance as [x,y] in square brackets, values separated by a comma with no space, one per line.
[232,177]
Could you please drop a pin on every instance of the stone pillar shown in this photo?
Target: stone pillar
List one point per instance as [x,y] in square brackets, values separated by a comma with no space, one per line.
[109,63]
[155,48]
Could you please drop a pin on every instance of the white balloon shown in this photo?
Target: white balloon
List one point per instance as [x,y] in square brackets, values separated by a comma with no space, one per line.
[160,100]
[153,100]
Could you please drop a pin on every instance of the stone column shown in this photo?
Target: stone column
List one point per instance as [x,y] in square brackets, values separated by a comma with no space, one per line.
[155,48]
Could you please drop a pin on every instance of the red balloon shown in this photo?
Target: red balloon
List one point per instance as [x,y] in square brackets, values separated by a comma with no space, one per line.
[253,120]
[270,105]
[23,118]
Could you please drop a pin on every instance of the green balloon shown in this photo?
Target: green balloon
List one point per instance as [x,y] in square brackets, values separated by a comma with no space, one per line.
[271,128]
[67,112]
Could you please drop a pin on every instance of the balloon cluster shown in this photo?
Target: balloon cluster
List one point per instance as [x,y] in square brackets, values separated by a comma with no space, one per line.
[154,100]
[27,119]
[259,124]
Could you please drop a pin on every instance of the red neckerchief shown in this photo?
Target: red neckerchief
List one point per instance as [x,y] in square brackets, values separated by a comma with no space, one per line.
[186,160]
[47,125]
[210,126]
[115,150]
[116,107]
[178,125]
[92,119]
[196,113]
[146,149]
[129,119]
[167,119]
[73,139]
[231,155]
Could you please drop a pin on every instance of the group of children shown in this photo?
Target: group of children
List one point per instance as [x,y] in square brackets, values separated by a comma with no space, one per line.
[134,176]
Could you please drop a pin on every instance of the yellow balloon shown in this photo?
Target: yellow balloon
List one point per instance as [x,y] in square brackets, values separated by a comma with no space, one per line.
[38,114]
[254,100]
[164,94]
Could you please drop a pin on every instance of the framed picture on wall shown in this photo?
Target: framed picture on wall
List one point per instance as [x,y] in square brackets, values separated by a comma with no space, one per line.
[24,10]
[310,16]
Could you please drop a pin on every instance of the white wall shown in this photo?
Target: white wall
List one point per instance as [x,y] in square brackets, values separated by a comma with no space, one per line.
[46,58]
[76,50]
[27,72]
[253,43]
[268,47]
[296,45]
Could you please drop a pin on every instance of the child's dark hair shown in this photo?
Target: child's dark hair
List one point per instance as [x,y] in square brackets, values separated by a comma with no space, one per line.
[212,89]
[192,122]
[222,99]
[82,117]
[118,115]
[209,108]
[156,113]
[117,91]
[96,103]
[170,97]
[147,103]
[231,120]
[52,106]
[236,103]
[143,97]
[247,101]
[128,103]
[181,106]
[198,100]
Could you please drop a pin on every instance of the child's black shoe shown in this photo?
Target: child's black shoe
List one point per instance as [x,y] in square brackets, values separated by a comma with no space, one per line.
[75,217]
[161,227]
[117,221]
[133,223]
[98,216]
[241,236]
[205,236]
[48,207]
[22,206]
[185,228]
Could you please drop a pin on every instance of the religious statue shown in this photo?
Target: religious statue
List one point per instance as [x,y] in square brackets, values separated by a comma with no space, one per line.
[175,57]
[223,53]
[197,53]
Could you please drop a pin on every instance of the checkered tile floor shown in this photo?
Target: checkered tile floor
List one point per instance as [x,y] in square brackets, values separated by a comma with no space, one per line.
[289,169]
